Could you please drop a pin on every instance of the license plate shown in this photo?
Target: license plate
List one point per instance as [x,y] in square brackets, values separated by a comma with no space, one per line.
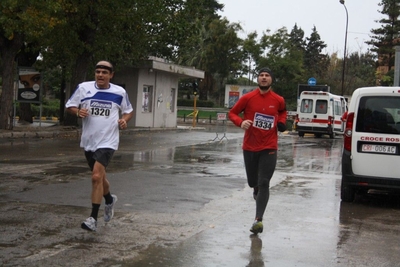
[379,149]
[305,120]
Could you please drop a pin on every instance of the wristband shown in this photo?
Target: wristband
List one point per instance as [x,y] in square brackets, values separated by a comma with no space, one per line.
[77,113]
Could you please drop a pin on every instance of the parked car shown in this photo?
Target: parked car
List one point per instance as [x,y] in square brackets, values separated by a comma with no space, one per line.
[371,150]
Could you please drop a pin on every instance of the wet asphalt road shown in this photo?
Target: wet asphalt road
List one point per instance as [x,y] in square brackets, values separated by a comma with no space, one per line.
[183,201]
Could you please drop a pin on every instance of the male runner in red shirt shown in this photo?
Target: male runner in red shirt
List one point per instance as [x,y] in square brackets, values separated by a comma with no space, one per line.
[264,114]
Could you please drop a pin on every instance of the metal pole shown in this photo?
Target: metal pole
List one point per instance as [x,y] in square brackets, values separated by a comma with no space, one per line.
[345,45]
[194,112]
[397,66]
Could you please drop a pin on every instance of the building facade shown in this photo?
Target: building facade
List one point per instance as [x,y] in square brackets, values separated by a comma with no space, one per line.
[153,90]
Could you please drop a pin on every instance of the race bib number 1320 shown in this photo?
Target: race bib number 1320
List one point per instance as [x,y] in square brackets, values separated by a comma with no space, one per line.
[100,108]
[262,121]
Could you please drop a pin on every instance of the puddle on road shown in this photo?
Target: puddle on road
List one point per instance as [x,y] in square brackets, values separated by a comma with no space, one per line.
[202,157]
[321,156]
[67,170]
[26,161]
[203,249]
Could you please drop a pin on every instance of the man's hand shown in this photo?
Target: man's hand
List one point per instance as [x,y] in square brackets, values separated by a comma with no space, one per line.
[83,113]
[281,127]
[122,123]
[246,124]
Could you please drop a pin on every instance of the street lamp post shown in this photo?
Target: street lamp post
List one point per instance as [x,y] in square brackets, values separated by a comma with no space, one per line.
[345,45]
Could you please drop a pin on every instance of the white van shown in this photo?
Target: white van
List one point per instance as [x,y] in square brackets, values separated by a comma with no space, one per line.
[320,113]
[371,145]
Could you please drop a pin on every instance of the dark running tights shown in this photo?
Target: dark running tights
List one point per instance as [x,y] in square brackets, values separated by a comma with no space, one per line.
[262,201]
[260,167]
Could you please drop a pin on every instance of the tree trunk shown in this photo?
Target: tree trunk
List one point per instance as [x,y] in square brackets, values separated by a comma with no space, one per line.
[78,76]
[26,58]
[8,51]
[62,96]
[206,86]
[25,112]
[87,36]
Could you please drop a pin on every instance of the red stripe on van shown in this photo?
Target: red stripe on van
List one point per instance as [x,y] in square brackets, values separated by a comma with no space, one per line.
[337,122]
[319,121]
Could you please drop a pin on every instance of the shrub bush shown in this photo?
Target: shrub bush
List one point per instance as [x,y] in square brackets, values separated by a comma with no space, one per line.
[50,108]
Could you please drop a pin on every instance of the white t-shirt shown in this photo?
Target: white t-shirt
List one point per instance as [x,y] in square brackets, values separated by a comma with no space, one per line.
[100,129]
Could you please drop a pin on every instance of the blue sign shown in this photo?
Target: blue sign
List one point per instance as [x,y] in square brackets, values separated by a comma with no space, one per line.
[312,81]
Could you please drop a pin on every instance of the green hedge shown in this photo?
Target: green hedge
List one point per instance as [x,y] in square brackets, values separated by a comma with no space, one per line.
[50,108]
[199,103]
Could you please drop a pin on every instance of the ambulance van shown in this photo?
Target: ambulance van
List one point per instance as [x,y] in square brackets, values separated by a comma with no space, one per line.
[320,113]
[371,142]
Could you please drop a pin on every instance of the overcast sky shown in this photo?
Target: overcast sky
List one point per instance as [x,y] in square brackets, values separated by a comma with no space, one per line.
[329,17]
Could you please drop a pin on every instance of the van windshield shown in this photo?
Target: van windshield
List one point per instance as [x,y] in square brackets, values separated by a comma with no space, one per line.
[378,114]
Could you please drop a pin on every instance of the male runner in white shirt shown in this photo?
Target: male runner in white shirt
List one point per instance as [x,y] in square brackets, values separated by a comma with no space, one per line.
[99,103]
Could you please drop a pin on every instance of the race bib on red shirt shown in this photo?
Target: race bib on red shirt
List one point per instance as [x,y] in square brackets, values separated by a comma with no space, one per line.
[263,122]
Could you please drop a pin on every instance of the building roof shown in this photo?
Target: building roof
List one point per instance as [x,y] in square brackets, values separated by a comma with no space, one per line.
[163,65]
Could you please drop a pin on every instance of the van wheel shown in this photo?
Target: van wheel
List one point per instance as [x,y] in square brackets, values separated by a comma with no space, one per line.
[301,134]
[347,193]
[332,135]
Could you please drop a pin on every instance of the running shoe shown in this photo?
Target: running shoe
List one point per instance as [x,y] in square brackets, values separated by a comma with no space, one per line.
[257,227]
[89,224]
[109,209]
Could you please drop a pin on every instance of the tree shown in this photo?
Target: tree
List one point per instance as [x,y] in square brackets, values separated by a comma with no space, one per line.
[21,22]
[315,63]
[224,56]
[251,52]
[9,47]
[123,32]
[387,36]
[296,37]
[285,60]
[72,35]
[361,70]
[213,45]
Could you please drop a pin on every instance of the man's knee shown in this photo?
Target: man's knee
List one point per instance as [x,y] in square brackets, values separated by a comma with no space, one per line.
[252,182]
[98,176]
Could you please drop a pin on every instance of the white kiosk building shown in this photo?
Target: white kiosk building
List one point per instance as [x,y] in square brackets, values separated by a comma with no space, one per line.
[153,90]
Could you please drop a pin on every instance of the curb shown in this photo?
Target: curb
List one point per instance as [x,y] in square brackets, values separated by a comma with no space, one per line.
[53,119]
[75,132]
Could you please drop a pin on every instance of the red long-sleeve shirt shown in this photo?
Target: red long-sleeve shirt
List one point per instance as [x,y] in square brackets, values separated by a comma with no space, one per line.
[265,111]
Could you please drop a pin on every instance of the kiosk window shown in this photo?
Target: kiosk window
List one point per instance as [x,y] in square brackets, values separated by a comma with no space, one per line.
[147,96]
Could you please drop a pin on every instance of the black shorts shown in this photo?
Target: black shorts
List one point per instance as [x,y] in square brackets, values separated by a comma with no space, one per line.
[101,155]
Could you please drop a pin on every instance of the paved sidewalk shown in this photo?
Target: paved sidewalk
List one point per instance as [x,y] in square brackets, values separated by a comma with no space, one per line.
[52,129]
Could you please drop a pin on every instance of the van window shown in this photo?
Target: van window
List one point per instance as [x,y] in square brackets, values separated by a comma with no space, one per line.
[321,106]
[338,108]
[378,114]
[306,106]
